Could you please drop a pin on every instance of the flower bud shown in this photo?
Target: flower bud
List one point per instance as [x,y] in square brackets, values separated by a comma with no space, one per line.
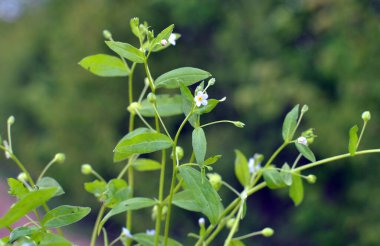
[230,223]
[215,180]
[146,82]
[154,212]
[86,169]
[239,124]
[311,179]
[302,140]
[151,97]
[211,82]
[164,42]
[201,221]
[59,158]
[366,116]
[22,177]
[304,109]
[133,107]
[179,151]
[11,120]
[267,232]
[107,35]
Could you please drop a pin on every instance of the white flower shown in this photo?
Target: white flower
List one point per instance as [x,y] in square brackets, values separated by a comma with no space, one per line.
[172,39]
[252,165]
[201,99]
[150,232]
[201,221]
[302,140]
[6,146]
[126,233]
[164,42]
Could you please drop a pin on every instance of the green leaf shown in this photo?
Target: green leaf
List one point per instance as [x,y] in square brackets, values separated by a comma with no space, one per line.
[48,182]
[242,169]
[28,203]
[185,75]
[105,65]
[205,196]
[164,34]
[305,151]
[286,174]
[20,232]
[167,105]
[17,188]
[296,189]
[127,51]
[141,141]
[96,187]
[273,178]
[207,108]
[50,239]
[64,215]
[185,200]
[212,160]
[148,240]
[353,142]
[199,144]
[290,124]
[134,24]
[142,164]
[187,104]
[130,204]
[117,190]
[236,243]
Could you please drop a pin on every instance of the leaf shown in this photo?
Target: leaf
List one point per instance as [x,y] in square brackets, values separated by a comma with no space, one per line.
[185,200]
[204,195]
[236,243]
[117,190]
[142,164]
[273,178]
[167,105]
[105,65]
[211,104]
[187,104]
[290,124]
[20,232]
[286,174]
[306,152]
[29,202]
[296,189]
[212,160]
[185,75]
[164,34]
[353,142]
[96,187]
[199,144]
[130,204]
[127,51]
[17,188]
[64,215]
[242,169]
[148,240]
[141,141]
[50,239]
[48,182]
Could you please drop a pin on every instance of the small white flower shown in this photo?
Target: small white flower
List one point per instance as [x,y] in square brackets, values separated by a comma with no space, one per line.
[201,99]
[126,233]
[302,140]
[252,165]
[172,39]
[164,42]
[150,232]
[6,146]
[201,221]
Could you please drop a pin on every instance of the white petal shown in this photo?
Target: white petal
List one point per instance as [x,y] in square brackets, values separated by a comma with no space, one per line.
[198,103]
[204,102]
[205,96]
[223,99]
[171,39]
[200,93]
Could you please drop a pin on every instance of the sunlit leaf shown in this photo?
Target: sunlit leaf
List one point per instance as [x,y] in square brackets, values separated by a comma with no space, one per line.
[290,124]
[306,151]
[48,182]
[105,65]
[143,164]
[273,178]
[185,75]
[127,51]
[64,215]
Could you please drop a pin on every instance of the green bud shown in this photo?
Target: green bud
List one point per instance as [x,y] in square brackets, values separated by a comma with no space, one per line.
[22,177]
[309,135]
[211,82]
[86,169]
[107,35]
[146,82]
[311,179]
[304,109]
[179,151]
[11,120]
[215,180]
[134,23]
[239,124]
[59,158]
[151,97]
[230,223]
[267,232]
[133,107]
[154,212]
[366,116]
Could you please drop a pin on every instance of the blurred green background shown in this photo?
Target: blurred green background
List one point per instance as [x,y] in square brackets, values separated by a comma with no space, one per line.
[267,56]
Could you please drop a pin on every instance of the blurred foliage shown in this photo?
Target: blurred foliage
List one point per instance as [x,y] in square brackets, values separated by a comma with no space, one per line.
[266,56]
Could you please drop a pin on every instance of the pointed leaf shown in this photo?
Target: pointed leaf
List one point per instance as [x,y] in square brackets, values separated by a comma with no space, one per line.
[186,75]
[148,240]
[20,232]
[211,104]
[50,239]
[212,160]
[17,188]
[143,164]
[290,124]
[117,190]
[96,187]
[306,152]
[296,189]
[286,174]
[127,51]
[64,215]
[48,182]
[185,200]
[241,168]
[273,178]
[105,65]
[199,144]
[353,140]
[205,196]
[164,34]
[167,105]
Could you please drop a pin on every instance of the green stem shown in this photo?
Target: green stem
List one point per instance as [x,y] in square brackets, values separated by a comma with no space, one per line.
[361,134]
[231,188]
[218,122]
[97,175]
[296,161]
[150,79]
[252,234]
[143,120]
[160,198]
[45,169]
[162,122]
[94,231]
[235,225]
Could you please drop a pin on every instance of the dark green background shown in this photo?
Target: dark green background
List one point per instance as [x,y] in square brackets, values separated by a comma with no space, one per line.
[266,56]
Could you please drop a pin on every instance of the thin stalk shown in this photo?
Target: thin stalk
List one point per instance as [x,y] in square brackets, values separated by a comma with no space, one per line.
[296,161]
[218,122]
[147,71]
[235,225]
[97,175]
[162,123]
[252,234]
[231,188]
[160,198]
[45,169]
[94,231]
[361,134]
[143,120]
